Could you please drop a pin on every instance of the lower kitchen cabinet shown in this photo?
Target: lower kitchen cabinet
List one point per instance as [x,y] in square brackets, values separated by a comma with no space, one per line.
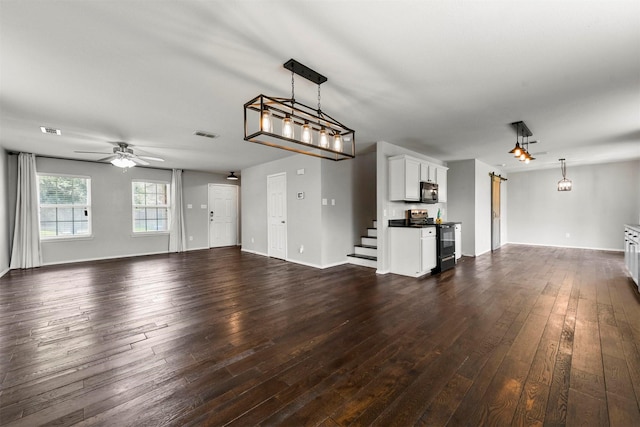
[632,251]
[412,250]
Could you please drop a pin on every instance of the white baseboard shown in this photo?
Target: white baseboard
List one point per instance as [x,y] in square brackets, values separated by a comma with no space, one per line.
[2,273]
[196,249]
[253,252]
[383,271]
[567,247]
[307,264]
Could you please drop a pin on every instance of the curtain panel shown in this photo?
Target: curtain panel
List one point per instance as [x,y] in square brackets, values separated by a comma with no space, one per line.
[26,251]
[177,235]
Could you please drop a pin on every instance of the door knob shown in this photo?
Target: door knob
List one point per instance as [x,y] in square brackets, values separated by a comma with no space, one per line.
[282,222]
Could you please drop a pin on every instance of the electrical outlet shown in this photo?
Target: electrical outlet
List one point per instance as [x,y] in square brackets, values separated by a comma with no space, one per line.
[301,250]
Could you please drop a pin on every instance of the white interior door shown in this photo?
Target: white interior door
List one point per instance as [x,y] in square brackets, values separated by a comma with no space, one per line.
[277,215]
[223,215]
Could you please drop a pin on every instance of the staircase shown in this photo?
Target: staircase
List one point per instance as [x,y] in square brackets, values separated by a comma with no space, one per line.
[366,253]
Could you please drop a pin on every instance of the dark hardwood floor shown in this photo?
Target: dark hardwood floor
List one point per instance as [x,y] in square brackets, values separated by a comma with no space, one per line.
[524,336]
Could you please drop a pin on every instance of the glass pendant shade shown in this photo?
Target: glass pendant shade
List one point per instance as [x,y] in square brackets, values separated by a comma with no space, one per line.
[287,127]
[123,162]
[324,140]
[564,184]
[306,136]
[265,123]
[337,142]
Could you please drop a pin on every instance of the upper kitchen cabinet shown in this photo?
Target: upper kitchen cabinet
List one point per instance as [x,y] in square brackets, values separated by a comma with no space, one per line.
[405,174]
[404,179]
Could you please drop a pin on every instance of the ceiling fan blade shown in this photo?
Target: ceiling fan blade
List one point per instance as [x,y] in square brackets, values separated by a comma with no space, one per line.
[138,160]
[155,159]
[107,159]
[91,152]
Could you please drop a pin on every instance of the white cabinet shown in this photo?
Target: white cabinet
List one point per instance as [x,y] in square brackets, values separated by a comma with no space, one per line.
[405,174]
[441,180]
[632,252]
[458,234]
[412,250]
[404,179]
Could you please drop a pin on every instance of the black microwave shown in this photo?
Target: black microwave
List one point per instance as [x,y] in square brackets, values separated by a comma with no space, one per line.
[428,192]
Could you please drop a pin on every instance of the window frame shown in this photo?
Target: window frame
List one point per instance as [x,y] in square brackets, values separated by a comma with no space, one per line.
[134,205]
[87,207]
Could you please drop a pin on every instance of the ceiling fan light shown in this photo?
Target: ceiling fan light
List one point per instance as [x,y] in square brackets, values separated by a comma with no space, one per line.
[232,177]
[123,162]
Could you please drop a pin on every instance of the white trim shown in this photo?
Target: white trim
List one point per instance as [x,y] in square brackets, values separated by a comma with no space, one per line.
[106,258]
[383,271]
[5,271]
[149,233]
[59,239]
[197,249]
[254,252]
[567,247]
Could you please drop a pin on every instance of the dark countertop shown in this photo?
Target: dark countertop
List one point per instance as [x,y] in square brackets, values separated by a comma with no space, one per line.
[405,223]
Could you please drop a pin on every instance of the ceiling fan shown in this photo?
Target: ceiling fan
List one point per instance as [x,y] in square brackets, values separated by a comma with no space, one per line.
[123,156]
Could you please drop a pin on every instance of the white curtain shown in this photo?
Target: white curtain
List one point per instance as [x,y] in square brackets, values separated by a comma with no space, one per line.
[26,252]
[177,238]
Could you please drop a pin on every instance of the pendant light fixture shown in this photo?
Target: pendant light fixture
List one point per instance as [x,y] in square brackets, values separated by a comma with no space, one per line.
[232,177]
[521,150]
[273,121]
[564,184]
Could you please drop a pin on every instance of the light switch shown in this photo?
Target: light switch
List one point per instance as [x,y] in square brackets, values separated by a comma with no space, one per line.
[189,206]
[324,202]
[300,171]
[203,206]
[333,202]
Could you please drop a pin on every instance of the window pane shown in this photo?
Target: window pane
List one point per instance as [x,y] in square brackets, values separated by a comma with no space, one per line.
[151,199]
[139,225]
[47,229]
[138,199]
[65,214]
[152,213]
[65,228]
[79,214]
[150,187]
[81,227]
[47,214]
[162,213]
[80,191]
[139,213]
[152,225]
[162,225]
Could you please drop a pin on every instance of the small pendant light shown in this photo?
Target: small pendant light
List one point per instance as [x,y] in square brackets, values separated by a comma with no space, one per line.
[564,184]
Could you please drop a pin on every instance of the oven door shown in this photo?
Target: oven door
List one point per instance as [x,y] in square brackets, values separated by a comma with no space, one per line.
[447,241]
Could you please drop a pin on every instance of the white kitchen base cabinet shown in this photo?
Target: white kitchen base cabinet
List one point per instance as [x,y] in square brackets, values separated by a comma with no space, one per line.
[458,234]
[632,252]
[413,250]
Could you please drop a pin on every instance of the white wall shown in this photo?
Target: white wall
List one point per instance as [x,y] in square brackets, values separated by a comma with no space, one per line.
[461,201]
[469,201]
[603,198]
[112,234]
[196,193]
[387,209]
[337,219]
[303,215]
[5,232]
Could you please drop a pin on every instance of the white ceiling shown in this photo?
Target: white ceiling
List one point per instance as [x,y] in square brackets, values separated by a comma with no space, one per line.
[441,78]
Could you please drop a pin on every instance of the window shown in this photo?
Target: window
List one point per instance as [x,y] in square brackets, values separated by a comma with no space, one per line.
[150,207]
[65,206]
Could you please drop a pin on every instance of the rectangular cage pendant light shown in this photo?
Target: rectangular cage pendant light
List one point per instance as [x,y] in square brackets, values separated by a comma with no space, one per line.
[290,125]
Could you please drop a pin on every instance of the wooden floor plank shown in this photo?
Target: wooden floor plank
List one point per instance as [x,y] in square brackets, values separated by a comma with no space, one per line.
[521,336]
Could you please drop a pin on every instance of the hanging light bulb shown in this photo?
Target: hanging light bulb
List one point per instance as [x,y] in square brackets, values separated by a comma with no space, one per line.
[337,142]
[522,156]
[527,160]
[265,123]
[306,136]
[324,141]
[287,127]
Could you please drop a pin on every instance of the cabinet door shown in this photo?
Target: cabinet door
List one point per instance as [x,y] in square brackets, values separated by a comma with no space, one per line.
[412,179]
[441,180]
[429,255]
[424,171]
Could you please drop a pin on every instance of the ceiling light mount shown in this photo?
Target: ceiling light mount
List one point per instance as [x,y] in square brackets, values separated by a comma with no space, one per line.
[291,125]
[232,176]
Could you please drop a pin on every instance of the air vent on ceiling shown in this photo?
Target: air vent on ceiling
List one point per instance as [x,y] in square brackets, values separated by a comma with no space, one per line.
[205,134]
[52,131]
